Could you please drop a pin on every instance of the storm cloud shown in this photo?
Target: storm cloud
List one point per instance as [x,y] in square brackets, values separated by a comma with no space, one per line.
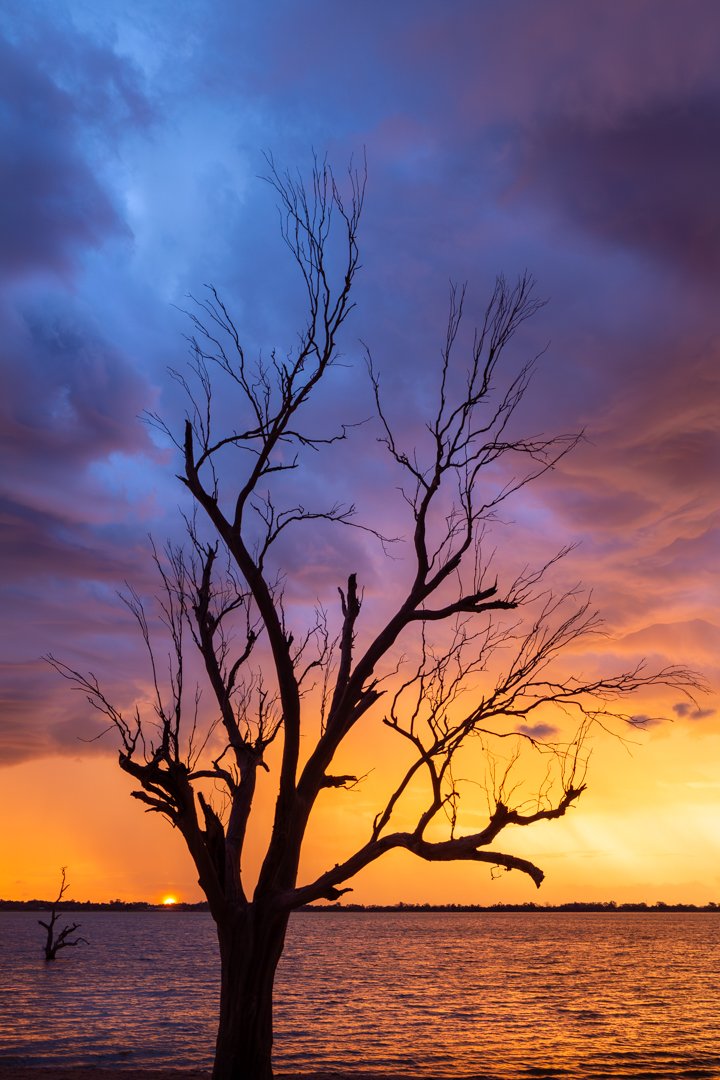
[578,141]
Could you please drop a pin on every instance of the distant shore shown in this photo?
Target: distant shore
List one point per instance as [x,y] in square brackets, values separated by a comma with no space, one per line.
[609,906]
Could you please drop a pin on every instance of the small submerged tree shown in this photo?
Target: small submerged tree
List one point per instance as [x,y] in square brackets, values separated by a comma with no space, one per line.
[54,941]
[443,668]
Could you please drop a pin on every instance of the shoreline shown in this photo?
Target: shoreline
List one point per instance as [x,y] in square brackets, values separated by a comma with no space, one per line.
[609,907]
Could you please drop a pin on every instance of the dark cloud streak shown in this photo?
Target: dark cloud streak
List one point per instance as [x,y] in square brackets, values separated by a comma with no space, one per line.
[646,180]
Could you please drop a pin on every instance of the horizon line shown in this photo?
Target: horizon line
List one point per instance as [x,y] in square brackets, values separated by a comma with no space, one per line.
[399,906]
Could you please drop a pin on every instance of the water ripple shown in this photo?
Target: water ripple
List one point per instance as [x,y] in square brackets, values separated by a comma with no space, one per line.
[577,996]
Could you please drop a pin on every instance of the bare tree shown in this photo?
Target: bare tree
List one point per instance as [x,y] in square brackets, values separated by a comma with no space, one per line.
[62,940]
[463,658]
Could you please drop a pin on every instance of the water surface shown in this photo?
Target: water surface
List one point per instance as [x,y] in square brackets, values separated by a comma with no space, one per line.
[582,996]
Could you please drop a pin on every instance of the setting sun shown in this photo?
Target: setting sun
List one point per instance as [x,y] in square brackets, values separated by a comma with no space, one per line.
[168,901]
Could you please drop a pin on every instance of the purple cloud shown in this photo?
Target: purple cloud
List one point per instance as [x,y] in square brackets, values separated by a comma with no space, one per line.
[60,207]
[646,180]
[686,710]
[538,731]
[498,137]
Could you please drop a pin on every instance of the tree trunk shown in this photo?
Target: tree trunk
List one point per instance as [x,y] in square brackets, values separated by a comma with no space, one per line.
[251,944]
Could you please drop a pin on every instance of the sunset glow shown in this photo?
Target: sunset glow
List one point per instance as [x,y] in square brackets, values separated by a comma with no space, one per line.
[578,141]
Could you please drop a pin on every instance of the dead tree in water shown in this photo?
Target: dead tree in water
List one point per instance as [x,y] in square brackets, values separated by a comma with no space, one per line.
[440,663]
[54,942]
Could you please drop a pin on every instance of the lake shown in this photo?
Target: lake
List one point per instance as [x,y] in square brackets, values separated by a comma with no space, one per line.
[502,995]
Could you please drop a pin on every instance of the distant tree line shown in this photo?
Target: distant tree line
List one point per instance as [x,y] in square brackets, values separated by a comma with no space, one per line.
[575,905]
[92,905]
[202,906]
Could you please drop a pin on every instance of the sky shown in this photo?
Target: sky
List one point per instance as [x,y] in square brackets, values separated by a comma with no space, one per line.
[578,142]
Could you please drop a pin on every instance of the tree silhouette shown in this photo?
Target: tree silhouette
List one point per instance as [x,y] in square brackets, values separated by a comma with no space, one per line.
[462,656]
[62,940]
